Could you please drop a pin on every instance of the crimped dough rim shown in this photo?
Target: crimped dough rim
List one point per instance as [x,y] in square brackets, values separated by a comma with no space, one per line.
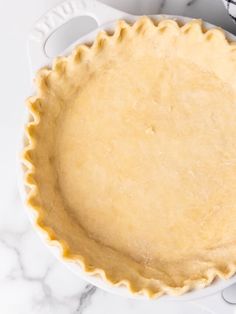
[211,35]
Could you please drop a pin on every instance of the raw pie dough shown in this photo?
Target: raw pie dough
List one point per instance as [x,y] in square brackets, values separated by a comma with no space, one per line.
[131,160]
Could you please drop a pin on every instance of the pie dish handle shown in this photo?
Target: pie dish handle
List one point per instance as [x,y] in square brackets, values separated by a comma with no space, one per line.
[59,15]
[223,302]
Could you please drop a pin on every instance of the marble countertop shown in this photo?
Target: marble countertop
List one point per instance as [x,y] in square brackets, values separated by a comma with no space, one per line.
[32,280]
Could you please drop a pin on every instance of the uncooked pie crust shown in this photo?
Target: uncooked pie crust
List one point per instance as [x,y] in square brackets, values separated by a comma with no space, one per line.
[131,156]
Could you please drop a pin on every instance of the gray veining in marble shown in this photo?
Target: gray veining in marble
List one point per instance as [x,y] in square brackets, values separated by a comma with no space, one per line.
[85,298]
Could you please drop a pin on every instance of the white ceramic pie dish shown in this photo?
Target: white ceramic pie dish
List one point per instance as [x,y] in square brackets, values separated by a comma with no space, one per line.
[106,18]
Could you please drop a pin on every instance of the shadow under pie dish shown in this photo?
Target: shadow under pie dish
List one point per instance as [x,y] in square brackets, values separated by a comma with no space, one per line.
[131,156]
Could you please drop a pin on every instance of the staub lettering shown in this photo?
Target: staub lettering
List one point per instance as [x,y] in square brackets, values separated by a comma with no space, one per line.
[53,19]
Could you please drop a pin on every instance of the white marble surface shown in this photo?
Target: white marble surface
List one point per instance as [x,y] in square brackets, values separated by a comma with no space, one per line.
[31,279]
